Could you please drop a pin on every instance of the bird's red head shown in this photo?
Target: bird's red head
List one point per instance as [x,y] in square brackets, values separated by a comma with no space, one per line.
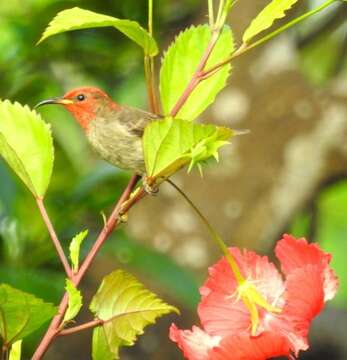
[84,104]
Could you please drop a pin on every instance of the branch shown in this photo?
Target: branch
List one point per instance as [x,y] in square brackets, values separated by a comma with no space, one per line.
[78,328]
[54,237]
[196,78]
[149,67]
[110,225]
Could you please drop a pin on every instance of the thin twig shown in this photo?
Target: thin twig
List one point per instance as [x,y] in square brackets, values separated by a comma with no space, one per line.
[211,13]
[78,328]
[112,222]
[196,78]
[149,67]
[4,352]
[149,83]
[54,237]
[246,47]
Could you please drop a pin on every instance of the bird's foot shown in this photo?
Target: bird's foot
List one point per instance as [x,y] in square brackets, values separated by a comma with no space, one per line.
[123,212]
[149,186]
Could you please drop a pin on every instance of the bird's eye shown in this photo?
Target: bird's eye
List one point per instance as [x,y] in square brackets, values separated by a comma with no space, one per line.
[80,97]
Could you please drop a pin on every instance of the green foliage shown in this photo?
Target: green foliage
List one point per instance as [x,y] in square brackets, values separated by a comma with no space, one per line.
[100,347]
[331,233]
[275,10]
[26,144]
[16,350]
[170,144]
[127,307]
[44,284]
[77,19]
[181,61]
[21,313]
[321,60]
[328,224]
[75,247]
[75,301]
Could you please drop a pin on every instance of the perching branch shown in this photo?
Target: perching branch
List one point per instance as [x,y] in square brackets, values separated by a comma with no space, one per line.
[54,237]
[54,327]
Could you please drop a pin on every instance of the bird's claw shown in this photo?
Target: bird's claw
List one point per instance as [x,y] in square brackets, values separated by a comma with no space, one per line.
[149,186]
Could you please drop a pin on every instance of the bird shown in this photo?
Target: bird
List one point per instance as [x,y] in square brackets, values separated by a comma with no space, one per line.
[114,131]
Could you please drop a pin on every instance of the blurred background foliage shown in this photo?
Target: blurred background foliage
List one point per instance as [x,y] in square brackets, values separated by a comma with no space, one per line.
[82,186]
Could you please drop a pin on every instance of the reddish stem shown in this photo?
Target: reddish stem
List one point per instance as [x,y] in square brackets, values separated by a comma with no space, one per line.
[54,237]
[210,71]
[85,326]
[54,327]
[196,78]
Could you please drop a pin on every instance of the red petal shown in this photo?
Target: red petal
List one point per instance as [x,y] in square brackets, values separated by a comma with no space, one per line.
[194,344]
[221,312]
[304,299]
[262,347]
[296,253]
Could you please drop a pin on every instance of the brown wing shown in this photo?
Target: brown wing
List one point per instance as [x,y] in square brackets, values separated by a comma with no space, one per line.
[136,120]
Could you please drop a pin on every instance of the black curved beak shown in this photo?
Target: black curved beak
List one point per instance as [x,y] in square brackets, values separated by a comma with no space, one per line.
[59,101]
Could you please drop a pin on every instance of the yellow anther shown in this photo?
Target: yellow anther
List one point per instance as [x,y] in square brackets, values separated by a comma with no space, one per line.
[249,295]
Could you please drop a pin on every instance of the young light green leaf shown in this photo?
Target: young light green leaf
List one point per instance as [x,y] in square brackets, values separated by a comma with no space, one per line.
[170,144]
[21,313]
[26,144]
[74,249]
[127,307]
[75,301]
[100,348]
[77,19]
[16,351]
[275,10]
[180,63]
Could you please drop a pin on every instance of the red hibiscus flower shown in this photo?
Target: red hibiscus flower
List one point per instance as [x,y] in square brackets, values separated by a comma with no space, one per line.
[259,315]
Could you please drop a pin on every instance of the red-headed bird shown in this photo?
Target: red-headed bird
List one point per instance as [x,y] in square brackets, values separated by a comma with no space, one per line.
[114,131]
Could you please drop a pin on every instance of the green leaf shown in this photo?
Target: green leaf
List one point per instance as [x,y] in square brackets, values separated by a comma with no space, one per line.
[16,350]
[100,348]
[21,313]
[127,307]
[275,10]
[180,63]
[75,301]
[77,19]
[26,144]
[170,144]
[74,248]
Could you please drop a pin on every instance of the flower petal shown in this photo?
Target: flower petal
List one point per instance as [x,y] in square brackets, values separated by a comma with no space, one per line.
[296,253]
[304,299]
[194,344]
[221,312]
[243,347]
